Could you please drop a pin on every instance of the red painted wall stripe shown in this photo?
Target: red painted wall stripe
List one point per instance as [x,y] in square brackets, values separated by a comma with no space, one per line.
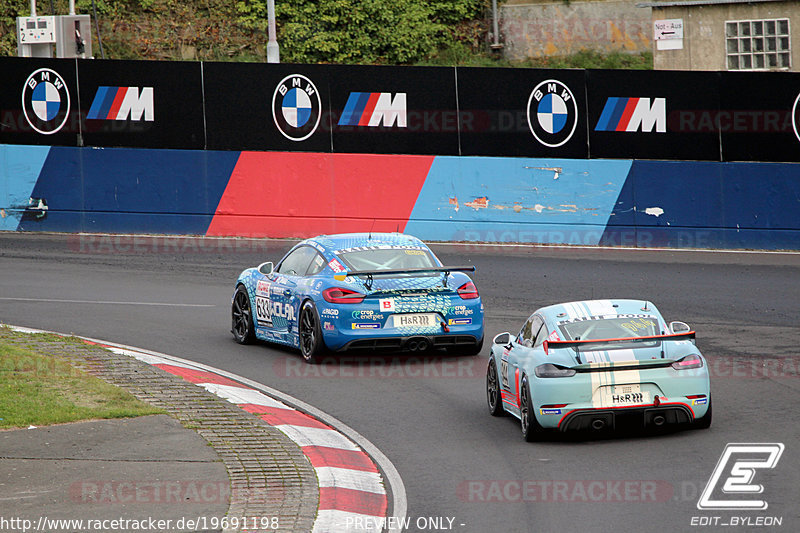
[295,194]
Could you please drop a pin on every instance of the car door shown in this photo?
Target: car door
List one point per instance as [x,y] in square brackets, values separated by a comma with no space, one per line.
[515,354]
[289,284]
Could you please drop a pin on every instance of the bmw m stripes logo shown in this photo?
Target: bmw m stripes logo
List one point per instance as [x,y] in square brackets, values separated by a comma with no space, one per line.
[552,113]
[296,107]
[122,103]
[632,114]
[375,109]
[45,101]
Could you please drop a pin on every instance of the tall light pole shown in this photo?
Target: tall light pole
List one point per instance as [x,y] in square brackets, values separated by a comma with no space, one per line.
[273,52]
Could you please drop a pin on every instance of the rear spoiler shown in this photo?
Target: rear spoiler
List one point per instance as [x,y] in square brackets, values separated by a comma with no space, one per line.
[370,273]
[576,344]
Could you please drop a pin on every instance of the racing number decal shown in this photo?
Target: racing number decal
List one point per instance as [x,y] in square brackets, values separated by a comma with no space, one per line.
[504,373]
[262,311]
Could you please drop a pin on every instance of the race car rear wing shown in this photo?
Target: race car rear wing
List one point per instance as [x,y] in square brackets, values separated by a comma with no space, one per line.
[369,274]
[579,343]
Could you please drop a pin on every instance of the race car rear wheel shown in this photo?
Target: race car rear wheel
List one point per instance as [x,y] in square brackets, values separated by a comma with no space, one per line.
[704,422]
[493,390]
[312,346]
[242,317]
[531,430]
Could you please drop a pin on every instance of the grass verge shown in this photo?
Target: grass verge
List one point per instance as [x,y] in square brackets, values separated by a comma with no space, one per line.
[42,387]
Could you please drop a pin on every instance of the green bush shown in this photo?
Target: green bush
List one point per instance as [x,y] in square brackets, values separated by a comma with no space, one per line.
[360,31]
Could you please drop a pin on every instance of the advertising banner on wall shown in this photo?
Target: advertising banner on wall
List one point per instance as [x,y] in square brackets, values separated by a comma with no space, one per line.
[522,112]
[39,102]
[652,114]
[143,104]
[390,110]
[759,116]
[281,107]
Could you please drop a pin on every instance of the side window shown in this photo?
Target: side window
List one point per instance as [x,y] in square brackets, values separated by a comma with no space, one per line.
[529,330]
[541,335]
[297,262]
[317,264]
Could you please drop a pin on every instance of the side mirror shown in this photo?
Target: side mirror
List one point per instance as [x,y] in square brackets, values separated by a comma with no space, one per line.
[502,338]
[266,268]
[679,327]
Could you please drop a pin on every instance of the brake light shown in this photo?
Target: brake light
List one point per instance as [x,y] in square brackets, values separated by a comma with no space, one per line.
[549,370]
[690,361]
[468,291]
[337,295]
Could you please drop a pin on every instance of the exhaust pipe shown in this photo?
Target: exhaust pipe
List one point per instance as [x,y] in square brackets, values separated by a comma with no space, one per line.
[659,420]
[418,344]
[598,424]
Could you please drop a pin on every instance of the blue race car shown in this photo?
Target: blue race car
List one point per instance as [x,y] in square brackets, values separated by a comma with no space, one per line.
[379,291]
[596,365]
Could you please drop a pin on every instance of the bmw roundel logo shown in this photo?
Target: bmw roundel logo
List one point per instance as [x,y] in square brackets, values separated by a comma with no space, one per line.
[45,101]
[296,107]
[552,113]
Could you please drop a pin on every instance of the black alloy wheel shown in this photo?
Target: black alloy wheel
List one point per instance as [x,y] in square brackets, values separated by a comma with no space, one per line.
[493,397]
[312,345]
[242,317]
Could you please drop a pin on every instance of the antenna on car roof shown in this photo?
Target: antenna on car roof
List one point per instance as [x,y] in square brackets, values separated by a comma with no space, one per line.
[370,229]
[645,308]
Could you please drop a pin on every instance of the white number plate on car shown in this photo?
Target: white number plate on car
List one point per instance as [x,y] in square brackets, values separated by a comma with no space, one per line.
[415,320]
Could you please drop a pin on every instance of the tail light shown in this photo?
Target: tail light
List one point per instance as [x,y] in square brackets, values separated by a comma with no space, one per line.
[690,361]
[337,295]
[468,291]
[549,370]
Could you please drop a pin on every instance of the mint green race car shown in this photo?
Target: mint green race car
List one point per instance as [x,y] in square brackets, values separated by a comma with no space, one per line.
[598,365]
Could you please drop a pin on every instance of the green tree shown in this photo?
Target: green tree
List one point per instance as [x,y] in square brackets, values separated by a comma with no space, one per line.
[360,31]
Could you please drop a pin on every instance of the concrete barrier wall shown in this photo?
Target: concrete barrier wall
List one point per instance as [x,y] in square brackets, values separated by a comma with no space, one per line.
[442,198]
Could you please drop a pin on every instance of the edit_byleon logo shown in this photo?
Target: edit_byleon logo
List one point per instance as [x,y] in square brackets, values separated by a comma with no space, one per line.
[552,113]
[731,486]
[296,107]
[45,101]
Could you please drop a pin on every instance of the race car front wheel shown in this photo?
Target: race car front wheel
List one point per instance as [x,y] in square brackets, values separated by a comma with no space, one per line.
[531,430]
[242,317]
[312,346]
[493,390]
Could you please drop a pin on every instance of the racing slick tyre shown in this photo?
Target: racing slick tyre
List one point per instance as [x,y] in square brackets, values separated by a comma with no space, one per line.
[704,422]
[242,317]
[531,430]
[312,346]
[493,397]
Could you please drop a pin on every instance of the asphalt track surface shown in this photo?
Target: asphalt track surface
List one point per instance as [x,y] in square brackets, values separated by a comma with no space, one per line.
[428,414]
